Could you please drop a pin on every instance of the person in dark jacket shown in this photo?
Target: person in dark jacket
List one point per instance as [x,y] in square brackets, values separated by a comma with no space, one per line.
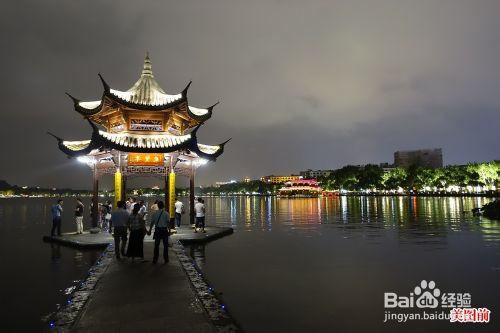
[57,217]
[160,220]
[119,220]
[137,228]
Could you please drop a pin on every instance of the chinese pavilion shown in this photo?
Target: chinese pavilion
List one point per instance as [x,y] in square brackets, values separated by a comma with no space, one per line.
[142,131]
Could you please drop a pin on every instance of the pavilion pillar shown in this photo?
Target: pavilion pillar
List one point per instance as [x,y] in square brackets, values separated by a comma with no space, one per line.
[171,193]
[118,187]
[191,195]
[95,198]
[167,190]
[124,187]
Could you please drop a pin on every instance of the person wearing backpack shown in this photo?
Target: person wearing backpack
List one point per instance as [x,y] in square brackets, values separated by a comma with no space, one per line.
[160,220]
[56,217]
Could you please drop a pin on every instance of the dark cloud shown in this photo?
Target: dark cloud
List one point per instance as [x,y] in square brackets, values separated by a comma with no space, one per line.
[302,85]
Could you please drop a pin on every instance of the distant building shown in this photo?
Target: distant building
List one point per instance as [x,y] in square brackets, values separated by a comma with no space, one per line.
[429,158]
[315,174]
[272,179]
[219,184]
[386,166]
[301,187]
[247,180]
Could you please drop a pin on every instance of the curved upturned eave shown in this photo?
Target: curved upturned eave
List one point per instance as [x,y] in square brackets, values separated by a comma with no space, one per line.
[144,106]
[86,111]
[99,142]
[195,148]
[107,143]
[76,153]
[138,106]
[204,117]
[71,152]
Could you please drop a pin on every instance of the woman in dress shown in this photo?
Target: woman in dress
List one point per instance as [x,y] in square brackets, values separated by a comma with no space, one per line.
[137,227]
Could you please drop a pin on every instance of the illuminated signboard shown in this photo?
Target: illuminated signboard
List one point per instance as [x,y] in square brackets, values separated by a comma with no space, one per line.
[145,159]
[146,125]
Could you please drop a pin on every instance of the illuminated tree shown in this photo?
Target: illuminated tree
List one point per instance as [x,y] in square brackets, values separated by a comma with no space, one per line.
[394,178]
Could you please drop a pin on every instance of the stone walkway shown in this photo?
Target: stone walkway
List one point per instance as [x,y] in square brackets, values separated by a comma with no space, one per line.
[135,296]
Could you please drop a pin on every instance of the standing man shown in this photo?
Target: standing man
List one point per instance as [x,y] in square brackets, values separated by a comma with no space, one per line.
[56,217]
[130,205]
[106,212]
[143,210]
[179,210]
[119,220]
[199,209]
[79,216]
[159,219]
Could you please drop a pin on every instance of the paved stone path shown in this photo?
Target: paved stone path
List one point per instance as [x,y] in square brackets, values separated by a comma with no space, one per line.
[135,296]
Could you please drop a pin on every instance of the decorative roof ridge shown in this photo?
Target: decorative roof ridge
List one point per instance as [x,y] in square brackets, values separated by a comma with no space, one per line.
[105,85]
[147,69]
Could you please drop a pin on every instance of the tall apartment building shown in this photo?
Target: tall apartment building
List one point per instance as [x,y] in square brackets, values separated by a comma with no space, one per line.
[429,158]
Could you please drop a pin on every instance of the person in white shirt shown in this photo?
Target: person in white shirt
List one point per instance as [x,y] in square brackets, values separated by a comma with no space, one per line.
[130,205]
[179,210]
[143,210]
[199,209]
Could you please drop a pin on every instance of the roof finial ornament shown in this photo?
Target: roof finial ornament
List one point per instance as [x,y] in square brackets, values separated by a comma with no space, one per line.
[146,70]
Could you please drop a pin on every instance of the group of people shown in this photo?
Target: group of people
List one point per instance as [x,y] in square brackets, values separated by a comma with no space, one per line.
[57,210]
[130,216]
[135,222]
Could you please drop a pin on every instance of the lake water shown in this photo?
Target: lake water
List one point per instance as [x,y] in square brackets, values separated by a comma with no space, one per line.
[323,265]
[292,265]
[35,275]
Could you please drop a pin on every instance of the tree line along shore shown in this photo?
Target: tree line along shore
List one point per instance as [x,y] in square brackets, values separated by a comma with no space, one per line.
[470,179]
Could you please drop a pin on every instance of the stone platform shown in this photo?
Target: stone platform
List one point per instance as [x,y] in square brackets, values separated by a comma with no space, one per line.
[101,240]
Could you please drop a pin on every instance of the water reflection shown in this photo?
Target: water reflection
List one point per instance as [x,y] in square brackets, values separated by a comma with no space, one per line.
[414,217]
[321,264]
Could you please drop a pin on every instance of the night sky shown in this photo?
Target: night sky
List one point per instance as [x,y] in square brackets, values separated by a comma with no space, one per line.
[302,84]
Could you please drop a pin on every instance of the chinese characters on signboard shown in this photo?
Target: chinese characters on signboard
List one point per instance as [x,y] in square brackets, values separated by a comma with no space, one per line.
[147,159]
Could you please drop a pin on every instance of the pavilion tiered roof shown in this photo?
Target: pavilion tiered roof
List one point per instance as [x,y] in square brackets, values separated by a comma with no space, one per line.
[142,119]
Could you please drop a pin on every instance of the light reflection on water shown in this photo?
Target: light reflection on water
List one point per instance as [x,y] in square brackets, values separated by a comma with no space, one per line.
[323,264]
[251,213]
